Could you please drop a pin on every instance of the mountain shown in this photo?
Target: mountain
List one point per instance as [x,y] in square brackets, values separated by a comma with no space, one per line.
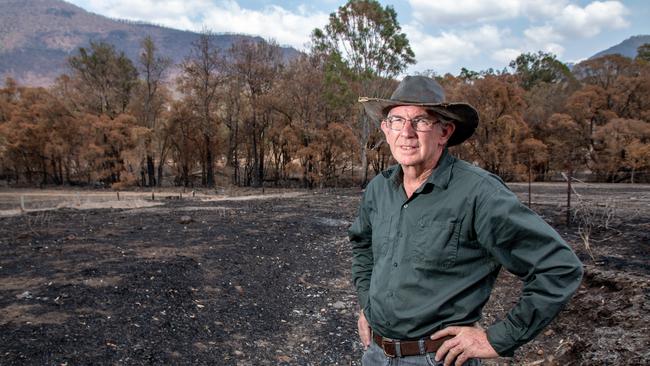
[37,37]
[626,48]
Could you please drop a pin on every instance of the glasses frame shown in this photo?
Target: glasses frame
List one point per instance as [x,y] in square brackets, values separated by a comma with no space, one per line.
[415,122]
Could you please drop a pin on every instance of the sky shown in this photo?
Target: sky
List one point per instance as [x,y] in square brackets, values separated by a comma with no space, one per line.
[445,35]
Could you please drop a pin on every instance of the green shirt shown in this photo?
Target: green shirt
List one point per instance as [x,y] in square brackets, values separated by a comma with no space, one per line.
[428,262]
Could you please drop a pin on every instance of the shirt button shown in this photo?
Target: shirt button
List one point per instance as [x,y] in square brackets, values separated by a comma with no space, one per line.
[390,294]
[395,264]
[388,323]
[406,205]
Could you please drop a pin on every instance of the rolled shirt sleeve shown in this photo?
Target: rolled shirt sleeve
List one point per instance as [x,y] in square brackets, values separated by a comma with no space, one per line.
[528,247]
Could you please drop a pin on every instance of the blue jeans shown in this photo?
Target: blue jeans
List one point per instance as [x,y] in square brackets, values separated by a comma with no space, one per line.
[374,356]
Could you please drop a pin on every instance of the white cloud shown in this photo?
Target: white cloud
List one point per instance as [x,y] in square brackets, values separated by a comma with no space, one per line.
[550,24]
[565,15]
[446,12]
[271,22]
[286,27]
[505,55]
[572,22]
[438,52]
[592,19]
[453,12]
[554,48]
[542,9]
[487,36]
[542,34]
[544,38]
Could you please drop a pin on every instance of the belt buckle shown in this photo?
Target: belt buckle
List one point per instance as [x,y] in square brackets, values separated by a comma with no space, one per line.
[395,343]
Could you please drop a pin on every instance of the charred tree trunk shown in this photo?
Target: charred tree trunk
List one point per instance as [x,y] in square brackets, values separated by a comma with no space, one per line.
[61,181]
[256,178]
[365,132]
[160,173]
[233,159]
[260,167]
[185,176]
[568,196]
[44,168]
[151,171]
[209,162]
[143,177]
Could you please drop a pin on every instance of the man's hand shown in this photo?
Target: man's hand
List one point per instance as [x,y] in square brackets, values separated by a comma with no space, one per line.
[468,342]
[364,330]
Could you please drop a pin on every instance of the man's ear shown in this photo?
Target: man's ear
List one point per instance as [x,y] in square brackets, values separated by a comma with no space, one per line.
[384,128]
[447,130]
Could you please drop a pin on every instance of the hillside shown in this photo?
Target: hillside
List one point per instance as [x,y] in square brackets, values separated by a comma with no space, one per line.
[626,48]
[37,36]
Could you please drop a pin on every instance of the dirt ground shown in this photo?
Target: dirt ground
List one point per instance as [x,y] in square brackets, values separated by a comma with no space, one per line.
[265,280]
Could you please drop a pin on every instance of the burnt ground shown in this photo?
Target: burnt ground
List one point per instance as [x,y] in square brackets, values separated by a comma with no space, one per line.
[266,282]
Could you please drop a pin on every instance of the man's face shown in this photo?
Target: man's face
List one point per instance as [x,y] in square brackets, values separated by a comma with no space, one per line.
[411,148]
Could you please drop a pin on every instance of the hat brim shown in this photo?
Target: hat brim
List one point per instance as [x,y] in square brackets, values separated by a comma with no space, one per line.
[463,115]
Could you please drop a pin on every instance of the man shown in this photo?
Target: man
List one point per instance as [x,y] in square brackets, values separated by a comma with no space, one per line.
[431,236]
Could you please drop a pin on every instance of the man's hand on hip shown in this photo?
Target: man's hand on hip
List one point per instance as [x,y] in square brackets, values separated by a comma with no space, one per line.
[468,342]
[364,330]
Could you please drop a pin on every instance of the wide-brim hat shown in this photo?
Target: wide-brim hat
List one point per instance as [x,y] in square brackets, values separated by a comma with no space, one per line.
[425,92]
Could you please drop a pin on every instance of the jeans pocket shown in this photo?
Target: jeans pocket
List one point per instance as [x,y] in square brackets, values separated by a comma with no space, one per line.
[431,359]
[374,356]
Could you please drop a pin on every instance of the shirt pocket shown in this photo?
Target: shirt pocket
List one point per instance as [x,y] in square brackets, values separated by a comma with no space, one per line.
[380,235]
[435,243]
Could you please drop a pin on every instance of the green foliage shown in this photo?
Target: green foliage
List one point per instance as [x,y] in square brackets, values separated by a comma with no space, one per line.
[367,37]
[468,75]
[643,52]
[540,67]
[105,77]
[339,91]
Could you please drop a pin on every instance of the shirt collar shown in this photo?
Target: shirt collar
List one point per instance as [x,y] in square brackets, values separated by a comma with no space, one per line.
[440,176]
[442,173]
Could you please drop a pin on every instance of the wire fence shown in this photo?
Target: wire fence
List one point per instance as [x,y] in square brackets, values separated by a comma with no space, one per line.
[627,177]
[12,201]
[17,201]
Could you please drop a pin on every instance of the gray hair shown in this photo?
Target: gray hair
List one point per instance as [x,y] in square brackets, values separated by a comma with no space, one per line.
[444,121]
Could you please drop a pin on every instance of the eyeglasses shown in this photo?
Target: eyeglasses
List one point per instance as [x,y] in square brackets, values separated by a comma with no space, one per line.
[419,123]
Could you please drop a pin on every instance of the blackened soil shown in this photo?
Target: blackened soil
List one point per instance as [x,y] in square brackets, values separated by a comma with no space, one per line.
[260,282]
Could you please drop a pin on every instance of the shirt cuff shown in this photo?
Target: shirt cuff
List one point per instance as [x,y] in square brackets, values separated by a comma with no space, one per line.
[500,337]
[363,299]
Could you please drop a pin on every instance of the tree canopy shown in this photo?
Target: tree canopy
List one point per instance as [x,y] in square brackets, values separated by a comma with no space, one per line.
[246,115]
[367,37]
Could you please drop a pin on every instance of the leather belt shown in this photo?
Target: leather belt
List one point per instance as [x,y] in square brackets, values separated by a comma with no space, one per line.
[397,348]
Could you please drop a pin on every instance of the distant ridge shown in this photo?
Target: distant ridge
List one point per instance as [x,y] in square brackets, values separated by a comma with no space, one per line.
[626,48]
[37,37]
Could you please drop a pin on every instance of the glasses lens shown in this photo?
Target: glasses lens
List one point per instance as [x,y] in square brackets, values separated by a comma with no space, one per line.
[422,124]
[395,123]
[418,123]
